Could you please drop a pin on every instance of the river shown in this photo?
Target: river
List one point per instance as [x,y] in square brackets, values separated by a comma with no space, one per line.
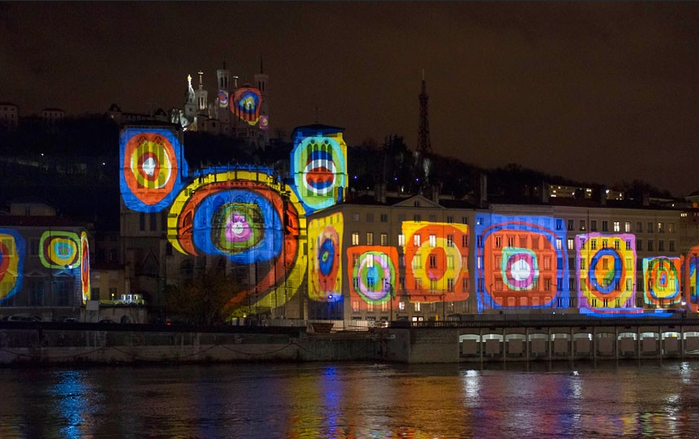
[352,400]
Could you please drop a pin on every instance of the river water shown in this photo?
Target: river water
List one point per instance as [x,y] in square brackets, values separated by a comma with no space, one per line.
[353,400]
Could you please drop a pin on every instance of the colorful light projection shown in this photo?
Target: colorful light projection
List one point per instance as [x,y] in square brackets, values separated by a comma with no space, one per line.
[690,278]
[436,259]
[372,273]
[12,252]
[223,98]
[662,281]
[85,266]
[325,263]
[152,164]
[521,263]
[318,166]
[59,249]
[264,122]
[243,215]
[246,104]
[606,268]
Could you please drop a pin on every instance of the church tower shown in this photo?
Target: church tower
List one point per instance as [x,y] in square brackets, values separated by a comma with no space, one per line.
[201,94]
[262,83]
[224,98]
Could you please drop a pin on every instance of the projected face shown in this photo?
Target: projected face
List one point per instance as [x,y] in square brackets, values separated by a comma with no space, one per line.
[325,253]
[223,99]
[246,220]
[606,272]
[12,251]
[60,250]
[373,274]
[436,260]
[522,262]
[150,171]
[662,280]
[319,167]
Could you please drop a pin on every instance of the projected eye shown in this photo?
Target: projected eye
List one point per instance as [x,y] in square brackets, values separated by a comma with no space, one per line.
[318,165]
[223,98]
[12,250]
[324,270]
[149,169]
[246,221]
[59,249]
[662,277]
[520,269]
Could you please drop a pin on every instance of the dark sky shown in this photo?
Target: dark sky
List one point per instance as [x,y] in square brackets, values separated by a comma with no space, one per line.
[599,92]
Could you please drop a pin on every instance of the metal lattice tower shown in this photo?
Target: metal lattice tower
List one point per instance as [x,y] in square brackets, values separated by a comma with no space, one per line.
[424,145]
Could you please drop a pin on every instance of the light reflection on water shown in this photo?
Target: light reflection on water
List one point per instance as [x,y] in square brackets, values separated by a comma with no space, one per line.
[353,400]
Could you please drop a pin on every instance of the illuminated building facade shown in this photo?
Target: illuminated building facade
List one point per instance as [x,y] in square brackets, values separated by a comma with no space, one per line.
[45,267]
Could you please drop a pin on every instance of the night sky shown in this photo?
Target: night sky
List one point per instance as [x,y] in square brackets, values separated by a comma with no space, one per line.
[598,92]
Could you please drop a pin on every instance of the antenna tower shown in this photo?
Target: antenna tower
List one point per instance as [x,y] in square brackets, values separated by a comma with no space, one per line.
[424,146]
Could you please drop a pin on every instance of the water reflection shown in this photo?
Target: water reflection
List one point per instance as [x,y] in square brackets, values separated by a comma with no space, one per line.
[351,401]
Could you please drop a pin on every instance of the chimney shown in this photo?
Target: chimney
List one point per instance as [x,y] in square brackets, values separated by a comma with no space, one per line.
[380,193]
[434,193]
[483,191]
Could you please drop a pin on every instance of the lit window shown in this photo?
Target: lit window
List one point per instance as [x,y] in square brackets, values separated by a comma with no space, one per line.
[401,240]
[627,226]
[661,227]
[559,244]
[370,238]
[384,239]
[450,261]
[617,226]
[416,240]
[450,240]
[433,241]
[355,238]
[571,244]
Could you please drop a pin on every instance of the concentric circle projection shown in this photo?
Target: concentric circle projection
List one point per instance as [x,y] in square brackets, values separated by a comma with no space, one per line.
[662,280]
[223,98]
[521,262]
[375,274]
[319,167]
[264,122]
[85,266]
[150,172]
[246,104]
[520,268]
[12,250]
[606,269]
[325,253]
[435,267]
[691,293]
[59,249]
[243,217]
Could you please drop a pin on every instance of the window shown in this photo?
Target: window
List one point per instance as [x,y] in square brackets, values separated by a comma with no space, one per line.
[355,238]
[593,244]
[593,225]
[616,226]
[582,225]
[650,228]
[672,246]
[559,244]
[605,243]
[639,227]
[479,242]
[571,244]
[671,228]
[639,245]
[627,226]
[355,217]
[433,241]
[464,284]
[450,285]
[416,240]
[450,261]
[661,246]
[384,218]
[355,306]
[571,224]
[370,217]
[384,239]
[417,263]
[464,241]
[356,283]
[464,220]
[650,245]
[417,218]
[450,219]
[605,226]
[559,224]
[142,221]
[370,238]
[661,227]
[417,306]
[433,261]
[628,245]
[510,241]
[450,240]
[547,263]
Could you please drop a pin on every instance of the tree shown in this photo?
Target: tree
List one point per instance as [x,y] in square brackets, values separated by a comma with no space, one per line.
[205,300]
